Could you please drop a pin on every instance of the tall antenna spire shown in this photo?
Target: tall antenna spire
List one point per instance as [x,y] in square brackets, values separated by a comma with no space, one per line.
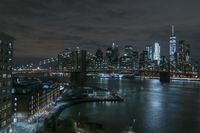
[172,30]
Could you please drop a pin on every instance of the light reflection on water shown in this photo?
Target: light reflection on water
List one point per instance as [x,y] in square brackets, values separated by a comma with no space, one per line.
[157,108]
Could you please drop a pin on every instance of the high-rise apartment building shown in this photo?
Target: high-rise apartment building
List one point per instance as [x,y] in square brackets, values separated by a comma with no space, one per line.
[6,54]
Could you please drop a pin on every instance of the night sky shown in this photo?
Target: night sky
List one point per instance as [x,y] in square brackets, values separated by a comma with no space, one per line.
[43,28]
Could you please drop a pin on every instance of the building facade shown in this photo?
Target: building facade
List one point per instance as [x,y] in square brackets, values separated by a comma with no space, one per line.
[30,96]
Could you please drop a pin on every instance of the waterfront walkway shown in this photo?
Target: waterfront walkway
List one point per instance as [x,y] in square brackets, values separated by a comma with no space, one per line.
[37,121]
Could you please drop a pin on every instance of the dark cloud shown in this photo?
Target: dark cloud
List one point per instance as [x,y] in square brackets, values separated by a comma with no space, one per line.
[43,28]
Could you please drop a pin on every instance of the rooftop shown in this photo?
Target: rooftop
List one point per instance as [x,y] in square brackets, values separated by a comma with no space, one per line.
[6,36]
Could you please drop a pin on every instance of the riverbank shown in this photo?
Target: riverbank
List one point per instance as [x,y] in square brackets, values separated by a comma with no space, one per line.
[86,127]
[72,102]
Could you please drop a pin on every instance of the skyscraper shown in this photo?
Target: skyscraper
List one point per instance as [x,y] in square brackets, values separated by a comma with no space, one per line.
[65,61]
[126,61]
[128,50]
[172,45]
[99,58]
[143,62]
[156,52]
[108,56]
[184,57]
[149,49]
[135,60]
[6,53]
[115,55]
[184,51]
[72,59]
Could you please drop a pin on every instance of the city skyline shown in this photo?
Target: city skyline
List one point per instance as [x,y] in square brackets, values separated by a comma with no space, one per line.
[154,49]
[43,29]
[74,66]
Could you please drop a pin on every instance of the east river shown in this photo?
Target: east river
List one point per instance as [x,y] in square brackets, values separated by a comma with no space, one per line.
[157,107]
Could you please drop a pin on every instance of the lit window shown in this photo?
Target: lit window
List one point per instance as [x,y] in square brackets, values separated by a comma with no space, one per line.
[13,91]
[3,123]
[10,45]
[9,76]
[15,120]
[9,52]
[4,75]
[15,99]
[9,83]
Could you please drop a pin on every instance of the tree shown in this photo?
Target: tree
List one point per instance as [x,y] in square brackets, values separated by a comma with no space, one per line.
[47,125]
[53,124]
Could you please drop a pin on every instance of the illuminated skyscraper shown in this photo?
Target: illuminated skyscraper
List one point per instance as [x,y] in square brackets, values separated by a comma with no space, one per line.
[156,52]
[149,49]
[172,45]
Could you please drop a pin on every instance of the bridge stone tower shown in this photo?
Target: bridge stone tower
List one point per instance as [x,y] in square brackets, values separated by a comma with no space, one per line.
[165,75]
[78,76]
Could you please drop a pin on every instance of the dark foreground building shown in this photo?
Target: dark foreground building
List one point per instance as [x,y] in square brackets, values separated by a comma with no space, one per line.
[6,54]
[31,96]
